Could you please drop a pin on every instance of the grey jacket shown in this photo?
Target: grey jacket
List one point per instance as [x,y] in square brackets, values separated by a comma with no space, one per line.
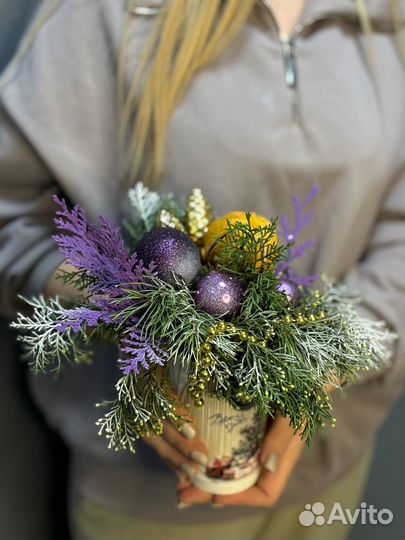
[255,126]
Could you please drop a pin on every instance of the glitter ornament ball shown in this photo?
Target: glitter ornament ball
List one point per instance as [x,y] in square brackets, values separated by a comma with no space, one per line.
[218,228]
[219,294]
[175,255]
[287,289]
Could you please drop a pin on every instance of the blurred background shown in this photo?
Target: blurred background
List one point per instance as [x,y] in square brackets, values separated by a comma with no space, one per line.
[33,461]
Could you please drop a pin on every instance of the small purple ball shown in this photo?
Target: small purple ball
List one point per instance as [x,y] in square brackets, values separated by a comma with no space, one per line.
[219,294]
[287,288]
[175,256]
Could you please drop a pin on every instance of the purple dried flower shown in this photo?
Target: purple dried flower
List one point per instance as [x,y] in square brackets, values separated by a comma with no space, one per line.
[100,253]
[291,233]
[296,279]
[140,352]
[82,316]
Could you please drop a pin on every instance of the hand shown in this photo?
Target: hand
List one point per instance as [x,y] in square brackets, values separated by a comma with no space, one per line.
[181,450]
[280,452]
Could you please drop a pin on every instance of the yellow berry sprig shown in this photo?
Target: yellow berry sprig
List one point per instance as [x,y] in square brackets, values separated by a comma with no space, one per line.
[199,380]
[167,219]
[302,318]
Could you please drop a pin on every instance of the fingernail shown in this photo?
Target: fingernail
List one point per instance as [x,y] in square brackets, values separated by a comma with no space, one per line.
[187,468]
[217,505]
[271,463]
[199,457]
[188,431]
[182,505]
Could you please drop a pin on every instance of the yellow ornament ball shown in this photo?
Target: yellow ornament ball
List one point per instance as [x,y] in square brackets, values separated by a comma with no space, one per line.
[218,229]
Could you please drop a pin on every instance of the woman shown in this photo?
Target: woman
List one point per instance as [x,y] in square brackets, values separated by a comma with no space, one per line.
[251,101]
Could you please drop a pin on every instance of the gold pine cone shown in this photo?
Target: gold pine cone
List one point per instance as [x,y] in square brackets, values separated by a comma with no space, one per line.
[198,215]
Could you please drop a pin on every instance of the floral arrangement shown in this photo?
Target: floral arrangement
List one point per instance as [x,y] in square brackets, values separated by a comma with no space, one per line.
[219,297]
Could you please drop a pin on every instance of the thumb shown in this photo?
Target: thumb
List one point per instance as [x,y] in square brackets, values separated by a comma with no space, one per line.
[276,443]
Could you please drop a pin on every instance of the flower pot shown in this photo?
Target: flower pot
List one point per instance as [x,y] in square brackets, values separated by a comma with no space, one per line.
[233,437]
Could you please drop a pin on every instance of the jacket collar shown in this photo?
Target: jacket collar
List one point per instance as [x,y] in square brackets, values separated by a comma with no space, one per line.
[376,9]
[379,12]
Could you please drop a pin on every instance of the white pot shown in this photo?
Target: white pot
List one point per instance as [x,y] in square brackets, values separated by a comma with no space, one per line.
[233,438]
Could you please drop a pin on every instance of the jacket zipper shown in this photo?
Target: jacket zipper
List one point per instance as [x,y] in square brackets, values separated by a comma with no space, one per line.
[290,62]
[287,46]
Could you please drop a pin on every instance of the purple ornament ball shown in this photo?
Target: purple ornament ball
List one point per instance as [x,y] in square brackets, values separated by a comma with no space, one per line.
[287,288]
[219,294]
[175,256]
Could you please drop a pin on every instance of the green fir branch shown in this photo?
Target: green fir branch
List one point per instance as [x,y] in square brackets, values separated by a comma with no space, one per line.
[76,278]
[167,315]
[311,342]
[246,250]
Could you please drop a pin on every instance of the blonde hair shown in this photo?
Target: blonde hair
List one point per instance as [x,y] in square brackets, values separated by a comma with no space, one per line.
[186,36]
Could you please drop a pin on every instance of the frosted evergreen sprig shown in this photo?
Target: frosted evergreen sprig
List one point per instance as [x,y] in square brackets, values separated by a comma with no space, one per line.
[42,339]
[145,204]
[305,354]
[138,411]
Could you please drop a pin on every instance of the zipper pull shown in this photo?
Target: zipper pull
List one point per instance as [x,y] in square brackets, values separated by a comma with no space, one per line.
[289,60]
[291,76]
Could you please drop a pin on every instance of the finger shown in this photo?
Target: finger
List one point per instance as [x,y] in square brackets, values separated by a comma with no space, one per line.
[188,430]
[195,448]
[193,495]
[280,452]
[184,411]
[173,457]
[182,477]
[276,442]
[272,484]
[332,387]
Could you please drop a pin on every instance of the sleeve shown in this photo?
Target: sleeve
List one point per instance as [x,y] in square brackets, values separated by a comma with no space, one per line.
[55,95]
[380,278]
[28,255]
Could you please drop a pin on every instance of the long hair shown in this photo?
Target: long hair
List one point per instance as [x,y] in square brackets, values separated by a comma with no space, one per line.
[186,36]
